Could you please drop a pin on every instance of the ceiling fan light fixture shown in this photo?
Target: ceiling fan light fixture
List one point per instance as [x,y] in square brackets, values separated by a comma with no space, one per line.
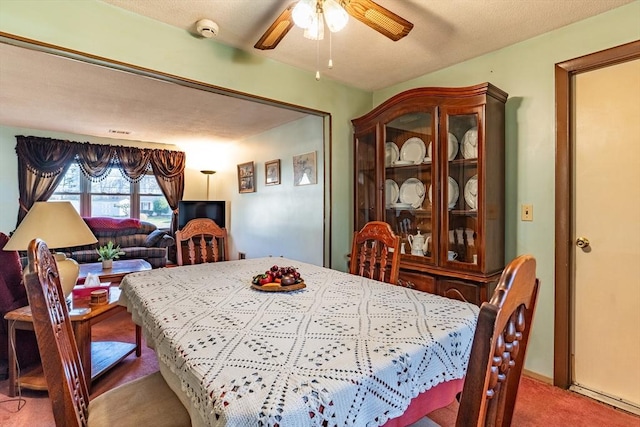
[303,13]
[335,16]
[315,31]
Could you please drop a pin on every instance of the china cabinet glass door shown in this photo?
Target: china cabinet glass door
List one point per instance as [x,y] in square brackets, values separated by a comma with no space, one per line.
[409,174]
[366,196]
[461,147]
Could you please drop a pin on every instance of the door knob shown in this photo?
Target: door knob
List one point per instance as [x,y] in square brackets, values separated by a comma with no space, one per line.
[582,242]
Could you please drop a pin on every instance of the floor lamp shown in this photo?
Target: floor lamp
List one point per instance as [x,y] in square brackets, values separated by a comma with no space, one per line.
[208,174]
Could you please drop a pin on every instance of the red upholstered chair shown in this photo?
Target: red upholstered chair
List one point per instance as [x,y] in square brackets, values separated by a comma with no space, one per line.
[13,295]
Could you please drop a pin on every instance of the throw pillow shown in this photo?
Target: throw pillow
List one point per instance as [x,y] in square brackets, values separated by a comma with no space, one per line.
[11,269]
[154,237]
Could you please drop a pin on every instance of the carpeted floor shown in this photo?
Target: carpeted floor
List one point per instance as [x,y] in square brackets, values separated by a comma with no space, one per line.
[538,404]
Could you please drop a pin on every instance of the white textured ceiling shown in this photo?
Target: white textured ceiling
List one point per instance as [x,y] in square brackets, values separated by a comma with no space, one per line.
[445,32]
[86,99]
[81,98]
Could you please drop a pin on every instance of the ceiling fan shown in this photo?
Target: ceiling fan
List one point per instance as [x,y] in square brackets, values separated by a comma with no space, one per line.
[310,14]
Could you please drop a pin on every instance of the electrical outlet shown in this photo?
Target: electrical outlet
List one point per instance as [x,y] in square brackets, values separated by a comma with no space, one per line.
[527,213]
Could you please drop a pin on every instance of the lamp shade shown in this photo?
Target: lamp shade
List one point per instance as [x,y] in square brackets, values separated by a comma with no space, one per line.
[57,223]
[60,226]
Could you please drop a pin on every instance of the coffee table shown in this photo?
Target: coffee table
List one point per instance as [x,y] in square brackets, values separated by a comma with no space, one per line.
[115,274]
[96,357]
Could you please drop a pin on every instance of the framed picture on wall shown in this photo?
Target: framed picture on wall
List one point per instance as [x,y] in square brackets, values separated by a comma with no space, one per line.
[246,181]
[304,169]
[272,172]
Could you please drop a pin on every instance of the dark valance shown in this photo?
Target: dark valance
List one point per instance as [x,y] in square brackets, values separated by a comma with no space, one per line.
[48,157]
[42,162]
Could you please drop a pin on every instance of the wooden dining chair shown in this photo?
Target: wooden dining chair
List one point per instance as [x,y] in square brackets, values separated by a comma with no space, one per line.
[499,347]
[203,240]
[375,252]
[147,401]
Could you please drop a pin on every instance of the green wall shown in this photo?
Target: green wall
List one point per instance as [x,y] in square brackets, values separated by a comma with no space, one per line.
[526,72]
[100,29]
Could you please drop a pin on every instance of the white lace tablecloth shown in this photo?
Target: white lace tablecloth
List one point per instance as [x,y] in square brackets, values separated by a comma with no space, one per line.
[345,350]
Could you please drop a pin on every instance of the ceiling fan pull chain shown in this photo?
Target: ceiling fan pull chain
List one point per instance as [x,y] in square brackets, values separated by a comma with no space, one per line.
[318,59]
[330,65]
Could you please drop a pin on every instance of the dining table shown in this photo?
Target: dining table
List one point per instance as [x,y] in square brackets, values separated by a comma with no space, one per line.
[342,350]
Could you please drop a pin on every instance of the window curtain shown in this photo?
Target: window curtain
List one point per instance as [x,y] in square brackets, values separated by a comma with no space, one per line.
[168,168]
[42,162]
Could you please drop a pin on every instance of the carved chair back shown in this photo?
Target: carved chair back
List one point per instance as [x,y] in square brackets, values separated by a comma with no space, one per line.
[499,347]
[61,364]
[203,241]
[375,252]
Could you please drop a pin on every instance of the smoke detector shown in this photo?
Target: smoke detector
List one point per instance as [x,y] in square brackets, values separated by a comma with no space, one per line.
[207,28]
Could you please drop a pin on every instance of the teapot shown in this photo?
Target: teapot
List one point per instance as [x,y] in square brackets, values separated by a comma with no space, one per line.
[418,243]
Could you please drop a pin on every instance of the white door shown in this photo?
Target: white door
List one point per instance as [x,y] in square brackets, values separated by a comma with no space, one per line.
[606,305]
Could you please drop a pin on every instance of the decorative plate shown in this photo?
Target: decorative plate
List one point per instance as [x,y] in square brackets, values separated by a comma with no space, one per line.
[279,288]
[391,191]
[401,206]
[403,163]
[470,144]
[453,147]
[413,150]
[391,154]
[471,192]
[412,192]
[454,193]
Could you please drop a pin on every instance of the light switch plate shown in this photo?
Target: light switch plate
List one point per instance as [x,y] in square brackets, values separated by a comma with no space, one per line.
[527,213]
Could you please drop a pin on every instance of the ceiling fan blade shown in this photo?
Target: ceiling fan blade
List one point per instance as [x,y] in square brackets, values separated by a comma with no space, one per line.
[377,17]
[277,30]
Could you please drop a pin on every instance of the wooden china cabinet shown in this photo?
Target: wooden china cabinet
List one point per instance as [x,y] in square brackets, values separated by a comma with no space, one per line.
[430,162]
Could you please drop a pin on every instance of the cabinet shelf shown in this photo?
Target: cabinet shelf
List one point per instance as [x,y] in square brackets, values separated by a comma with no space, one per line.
[464,212]
[475,238]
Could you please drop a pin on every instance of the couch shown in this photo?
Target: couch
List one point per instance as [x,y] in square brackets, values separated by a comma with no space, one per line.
[137,239]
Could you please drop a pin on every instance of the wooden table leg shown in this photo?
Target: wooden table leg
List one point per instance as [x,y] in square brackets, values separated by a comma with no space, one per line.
[13,374]
[82,332]
[138,340]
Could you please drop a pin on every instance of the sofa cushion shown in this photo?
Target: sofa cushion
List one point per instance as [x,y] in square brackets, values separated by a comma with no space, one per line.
[114,227]
[157,257]
[154,238]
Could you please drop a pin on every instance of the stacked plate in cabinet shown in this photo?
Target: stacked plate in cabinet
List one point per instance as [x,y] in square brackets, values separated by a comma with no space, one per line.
[413,151]
[453,192]
[452,148]
[471,192]
[391,192]
[391,154]
[470,144]
[412,192]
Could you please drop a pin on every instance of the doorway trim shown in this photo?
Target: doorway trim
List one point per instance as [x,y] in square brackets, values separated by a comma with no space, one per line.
[564,72]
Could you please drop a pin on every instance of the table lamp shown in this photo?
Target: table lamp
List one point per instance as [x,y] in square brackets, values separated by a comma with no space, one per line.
[59,225]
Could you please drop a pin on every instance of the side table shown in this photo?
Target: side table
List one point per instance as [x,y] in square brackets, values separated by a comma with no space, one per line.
[96,357]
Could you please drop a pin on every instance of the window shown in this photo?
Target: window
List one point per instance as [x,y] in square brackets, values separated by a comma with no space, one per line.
[114,196]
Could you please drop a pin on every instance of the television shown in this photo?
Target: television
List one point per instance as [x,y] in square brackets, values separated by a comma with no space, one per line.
[191,209]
